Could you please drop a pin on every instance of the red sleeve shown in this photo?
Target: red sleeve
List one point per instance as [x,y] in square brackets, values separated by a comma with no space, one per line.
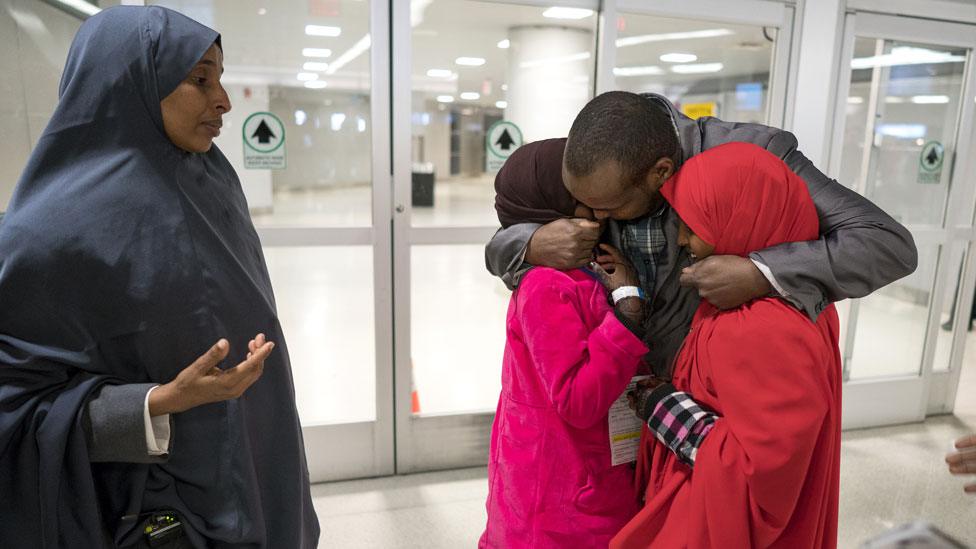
[583,371]
[772,381]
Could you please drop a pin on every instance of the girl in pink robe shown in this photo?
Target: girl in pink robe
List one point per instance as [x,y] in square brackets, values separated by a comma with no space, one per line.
[567,358]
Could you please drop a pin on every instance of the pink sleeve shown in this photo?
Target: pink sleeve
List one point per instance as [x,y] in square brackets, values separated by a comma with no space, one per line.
[583,371]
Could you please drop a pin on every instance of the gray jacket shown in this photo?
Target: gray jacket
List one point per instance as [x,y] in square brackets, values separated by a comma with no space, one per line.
[861,248]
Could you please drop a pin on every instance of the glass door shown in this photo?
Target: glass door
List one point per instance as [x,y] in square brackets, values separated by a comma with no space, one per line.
[730,61]
[904,118]
[529,66]
[466,74]
[309,137]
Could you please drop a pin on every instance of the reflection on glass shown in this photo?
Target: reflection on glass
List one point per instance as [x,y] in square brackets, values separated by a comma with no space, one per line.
[704,68]
[889,334]
[327,315]
[308,65]
[458,329]
[950,301]
[913,116]
[505,62]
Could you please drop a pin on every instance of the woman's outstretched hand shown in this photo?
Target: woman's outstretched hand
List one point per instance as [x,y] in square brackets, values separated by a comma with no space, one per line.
[203,382]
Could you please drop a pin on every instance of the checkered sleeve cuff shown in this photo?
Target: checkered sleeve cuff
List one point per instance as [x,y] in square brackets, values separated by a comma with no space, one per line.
[679,422]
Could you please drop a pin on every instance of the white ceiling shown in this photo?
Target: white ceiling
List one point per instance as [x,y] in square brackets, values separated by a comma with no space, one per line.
[267,48]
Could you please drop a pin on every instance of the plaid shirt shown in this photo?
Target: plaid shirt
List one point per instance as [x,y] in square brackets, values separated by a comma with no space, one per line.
[679,422]
[645,246]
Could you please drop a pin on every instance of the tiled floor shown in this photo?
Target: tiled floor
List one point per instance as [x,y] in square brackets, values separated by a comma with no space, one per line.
[889,476]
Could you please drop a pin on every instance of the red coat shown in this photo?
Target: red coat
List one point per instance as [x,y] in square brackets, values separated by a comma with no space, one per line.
[767,475]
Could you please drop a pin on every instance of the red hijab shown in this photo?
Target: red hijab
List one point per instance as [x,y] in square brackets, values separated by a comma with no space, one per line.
[739,209]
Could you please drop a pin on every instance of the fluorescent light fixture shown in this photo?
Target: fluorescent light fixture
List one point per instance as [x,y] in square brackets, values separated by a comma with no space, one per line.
[470,61]
[930,99]
[645,38]
[567,13]
[80,5]
[906,55]
[322,30]
[355,51]
[315,84]
[300,117]
[316,52]
[902,131]
[307,76]
[637,71]
[315,66]
[855,100]
[679,57]
[360,124]
[470,96]
[445,98]
[504,87]
[893,100]
[555,60]
[336,121]
[697,68]
[505,44]
[440,73]
[501,104]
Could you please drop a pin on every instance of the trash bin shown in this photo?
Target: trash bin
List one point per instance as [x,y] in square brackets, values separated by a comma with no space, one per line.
[422,184]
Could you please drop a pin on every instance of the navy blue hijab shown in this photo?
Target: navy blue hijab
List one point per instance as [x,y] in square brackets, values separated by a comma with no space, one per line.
[122,259]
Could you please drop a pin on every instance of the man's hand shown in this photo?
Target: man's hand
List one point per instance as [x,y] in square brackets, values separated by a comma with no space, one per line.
[726,281]
[203,382]
[563,243]
[963,462]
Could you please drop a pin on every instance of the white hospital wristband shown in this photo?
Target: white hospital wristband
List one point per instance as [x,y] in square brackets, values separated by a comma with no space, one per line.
[626,291]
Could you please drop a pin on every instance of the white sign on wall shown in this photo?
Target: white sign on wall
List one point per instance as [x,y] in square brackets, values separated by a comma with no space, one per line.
[264,137]
[502,139]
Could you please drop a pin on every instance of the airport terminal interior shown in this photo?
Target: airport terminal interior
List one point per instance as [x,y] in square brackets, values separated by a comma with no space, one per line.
[372,192]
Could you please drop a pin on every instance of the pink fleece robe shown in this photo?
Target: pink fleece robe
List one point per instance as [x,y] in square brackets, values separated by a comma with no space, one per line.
[567,358]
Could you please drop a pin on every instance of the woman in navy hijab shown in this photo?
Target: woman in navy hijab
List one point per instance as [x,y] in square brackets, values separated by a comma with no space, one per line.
[126,253]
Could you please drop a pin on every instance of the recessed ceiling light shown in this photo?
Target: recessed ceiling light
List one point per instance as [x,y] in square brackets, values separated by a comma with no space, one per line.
[637,71]
[262,11]
[470,96]
[470,61]
[697,68]
[504,87]
[315,66]
[445,98]
[440,73]
[505,44]
[307,76]
[501,104]
[930,99]
[645,38]
[316,84]
[322,30]
[567,13]
[316,52]
[679,57]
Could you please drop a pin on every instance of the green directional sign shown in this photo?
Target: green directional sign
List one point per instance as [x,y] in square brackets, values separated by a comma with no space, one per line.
[264,137]
[930,162]
[502,139]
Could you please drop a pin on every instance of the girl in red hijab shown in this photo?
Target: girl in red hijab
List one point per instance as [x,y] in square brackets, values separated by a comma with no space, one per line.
[742,447]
